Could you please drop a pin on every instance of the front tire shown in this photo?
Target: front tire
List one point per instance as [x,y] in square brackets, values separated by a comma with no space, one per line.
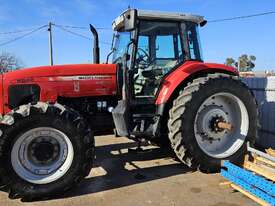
[196,113]
[45,151]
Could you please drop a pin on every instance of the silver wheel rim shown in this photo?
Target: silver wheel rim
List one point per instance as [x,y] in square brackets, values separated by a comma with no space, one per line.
[217,142]
[42,155]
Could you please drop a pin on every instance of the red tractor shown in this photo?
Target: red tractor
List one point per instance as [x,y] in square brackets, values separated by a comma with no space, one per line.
[157,88]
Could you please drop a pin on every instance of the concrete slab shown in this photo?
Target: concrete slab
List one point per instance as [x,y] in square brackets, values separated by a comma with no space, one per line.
[153,177]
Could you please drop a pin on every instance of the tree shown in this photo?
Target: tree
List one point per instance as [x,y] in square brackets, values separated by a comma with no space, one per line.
[245,63]
[230,62]
[9,62]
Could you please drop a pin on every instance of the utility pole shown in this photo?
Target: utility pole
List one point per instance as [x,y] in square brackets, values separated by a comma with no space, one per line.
[50,43]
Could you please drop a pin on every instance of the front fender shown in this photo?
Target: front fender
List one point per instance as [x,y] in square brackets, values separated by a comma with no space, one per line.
[182,74]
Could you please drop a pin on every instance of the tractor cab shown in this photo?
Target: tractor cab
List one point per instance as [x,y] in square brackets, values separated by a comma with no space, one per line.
[148,46]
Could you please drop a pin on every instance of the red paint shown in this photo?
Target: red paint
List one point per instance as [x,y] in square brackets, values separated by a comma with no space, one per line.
[63,80]
[180,74]
[89,80]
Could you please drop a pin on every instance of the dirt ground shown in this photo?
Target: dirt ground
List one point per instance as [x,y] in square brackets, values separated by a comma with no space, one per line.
[153,177]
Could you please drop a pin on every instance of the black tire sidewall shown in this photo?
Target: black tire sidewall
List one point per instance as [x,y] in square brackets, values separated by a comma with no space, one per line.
[57,122]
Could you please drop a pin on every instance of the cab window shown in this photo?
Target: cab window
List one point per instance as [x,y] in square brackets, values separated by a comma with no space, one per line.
[158,51]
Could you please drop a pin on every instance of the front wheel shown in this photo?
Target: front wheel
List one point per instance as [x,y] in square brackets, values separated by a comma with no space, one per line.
[46,150]
[211,120]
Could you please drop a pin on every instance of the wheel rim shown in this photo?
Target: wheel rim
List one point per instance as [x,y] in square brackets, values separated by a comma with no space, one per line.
[42,155]
[217,141]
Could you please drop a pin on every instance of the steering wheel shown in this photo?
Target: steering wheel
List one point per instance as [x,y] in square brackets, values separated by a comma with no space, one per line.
[143,57]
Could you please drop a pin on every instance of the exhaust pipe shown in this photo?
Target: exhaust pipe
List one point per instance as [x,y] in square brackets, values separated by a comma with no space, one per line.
[96,45]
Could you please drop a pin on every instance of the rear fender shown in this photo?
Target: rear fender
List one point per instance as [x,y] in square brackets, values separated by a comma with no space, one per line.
[185,73]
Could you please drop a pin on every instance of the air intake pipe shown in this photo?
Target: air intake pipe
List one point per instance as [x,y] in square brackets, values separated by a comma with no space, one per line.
[96,45]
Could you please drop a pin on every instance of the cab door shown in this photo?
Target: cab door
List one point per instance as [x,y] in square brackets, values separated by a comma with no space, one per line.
[156,51]
[159,50]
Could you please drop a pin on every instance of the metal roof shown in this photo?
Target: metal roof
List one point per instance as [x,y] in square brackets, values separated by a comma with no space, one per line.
[159,15]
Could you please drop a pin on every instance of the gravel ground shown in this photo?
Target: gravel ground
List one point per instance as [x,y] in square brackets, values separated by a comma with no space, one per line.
[152,177]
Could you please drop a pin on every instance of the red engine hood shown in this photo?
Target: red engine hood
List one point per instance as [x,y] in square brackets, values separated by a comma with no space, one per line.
[61,70]
[79,80]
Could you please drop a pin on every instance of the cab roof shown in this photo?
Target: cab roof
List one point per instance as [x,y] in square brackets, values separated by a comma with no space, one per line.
[160,16]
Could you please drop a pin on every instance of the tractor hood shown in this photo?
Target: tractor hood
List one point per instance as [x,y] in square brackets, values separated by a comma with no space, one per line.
[60,70]
[48,83]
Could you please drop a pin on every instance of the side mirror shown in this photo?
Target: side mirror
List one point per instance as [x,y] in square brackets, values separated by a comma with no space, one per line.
[203,23]
[126,55]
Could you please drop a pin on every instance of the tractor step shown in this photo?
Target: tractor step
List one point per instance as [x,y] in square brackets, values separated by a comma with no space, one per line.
[144,116]
[121,118]
[141,124]
[144,125]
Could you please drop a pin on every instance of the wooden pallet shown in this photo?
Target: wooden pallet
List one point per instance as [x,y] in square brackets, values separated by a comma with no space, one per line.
[249,195]
[256,179]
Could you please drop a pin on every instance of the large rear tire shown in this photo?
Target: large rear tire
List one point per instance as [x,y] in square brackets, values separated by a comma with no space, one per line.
[211,120]
[45,149]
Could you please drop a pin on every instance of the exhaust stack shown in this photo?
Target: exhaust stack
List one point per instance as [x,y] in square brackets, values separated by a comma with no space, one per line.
[96,45]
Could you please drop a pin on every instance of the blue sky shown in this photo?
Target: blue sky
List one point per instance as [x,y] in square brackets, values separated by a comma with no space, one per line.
[219,40]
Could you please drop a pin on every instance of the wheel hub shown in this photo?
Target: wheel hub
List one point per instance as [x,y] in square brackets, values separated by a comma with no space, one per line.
[44,151]
[214,124]
[208,120]
[221,125]
[42,155]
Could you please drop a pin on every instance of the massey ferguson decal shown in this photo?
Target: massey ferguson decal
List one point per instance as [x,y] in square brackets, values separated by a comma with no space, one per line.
[25,80]
[85,77]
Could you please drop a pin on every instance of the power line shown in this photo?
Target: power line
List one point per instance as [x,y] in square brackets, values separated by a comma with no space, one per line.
[72,32]
[17,31]
[242,17]
[67,28]
[77,34]
[107,28]
[82,27]
[22,36]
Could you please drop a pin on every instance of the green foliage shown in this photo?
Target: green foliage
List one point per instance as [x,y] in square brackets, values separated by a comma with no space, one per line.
[245,63]
[230,62]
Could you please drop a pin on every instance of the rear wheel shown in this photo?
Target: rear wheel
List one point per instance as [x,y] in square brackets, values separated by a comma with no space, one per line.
[46,149]
[211,120]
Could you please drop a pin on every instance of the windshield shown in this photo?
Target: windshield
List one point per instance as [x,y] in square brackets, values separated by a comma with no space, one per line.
[122,39]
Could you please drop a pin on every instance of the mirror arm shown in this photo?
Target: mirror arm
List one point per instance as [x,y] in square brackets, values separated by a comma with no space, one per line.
[112,48]
[108,56]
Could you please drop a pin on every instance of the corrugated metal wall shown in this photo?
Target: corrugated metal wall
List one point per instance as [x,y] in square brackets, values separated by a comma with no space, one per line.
[264,90]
